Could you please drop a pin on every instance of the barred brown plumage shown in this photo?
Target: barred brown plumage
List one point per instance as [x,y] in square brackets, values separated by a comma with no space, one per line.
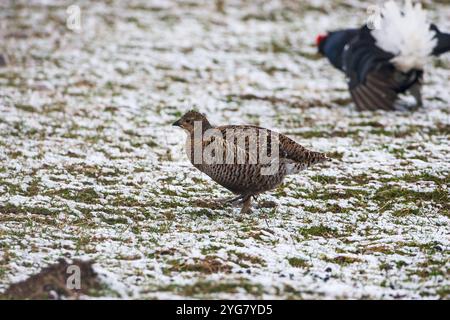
[245,159]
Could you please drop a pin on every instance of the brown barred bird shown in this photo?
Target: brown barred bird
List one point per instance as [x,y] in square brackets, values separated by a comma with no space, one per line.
[245,159]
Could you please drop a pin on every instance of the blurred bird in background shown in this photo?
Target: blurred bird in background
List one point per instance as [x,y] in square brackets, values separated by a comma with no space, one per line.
[383,63]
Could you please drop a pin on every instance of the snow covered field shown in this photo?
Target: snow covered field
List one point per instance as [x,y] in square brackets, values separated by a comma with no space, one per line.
[91,168]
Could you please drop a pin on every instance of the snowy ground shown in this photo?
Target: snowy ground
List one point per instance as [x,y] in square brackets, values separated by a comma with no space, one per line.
[91,168]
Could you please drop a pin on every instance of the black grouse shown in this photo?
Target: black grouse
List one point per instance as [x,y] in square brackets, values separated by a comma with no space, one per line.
[382,63]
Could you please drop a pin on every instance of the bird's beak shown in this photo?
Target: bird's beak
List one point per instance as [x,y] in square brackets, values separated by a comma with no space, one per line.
[177,123]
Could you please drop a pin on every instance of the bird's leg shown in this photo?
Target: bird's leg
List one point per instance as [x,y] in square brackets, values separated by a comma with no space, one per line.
[233,200]
[416,92]
[246,204]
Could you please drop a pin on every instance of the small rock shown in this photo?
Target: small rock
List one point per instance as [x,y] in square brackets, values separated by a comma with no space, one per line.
[267,204]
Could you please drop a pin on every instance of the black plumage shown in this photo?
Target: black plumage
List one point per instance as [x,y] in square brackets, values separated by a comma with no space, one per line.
[374,81]
[443,44]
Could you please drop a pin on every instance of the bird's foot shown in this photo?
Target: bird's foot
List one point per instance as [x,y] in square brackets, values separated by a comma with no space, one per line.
[244,200]
[246,205]
[234,201]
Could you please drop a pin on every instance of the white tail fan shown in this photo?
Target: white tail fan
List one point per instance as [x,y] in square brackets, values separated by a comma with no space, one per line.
[406,34]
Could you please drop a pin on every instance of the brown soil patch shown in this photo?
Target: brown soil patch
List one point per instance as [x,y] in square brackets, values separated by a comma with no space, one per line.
[51,283]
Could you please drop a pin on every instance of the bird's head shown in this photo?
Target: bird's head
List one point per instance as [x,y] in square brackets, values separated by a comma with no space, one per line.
[320,41]
[192,118]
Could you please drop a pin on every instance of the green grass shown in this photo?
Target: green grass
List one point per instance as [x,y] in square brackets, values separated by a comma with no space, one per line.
[318,231]
[387,196]
[87,195]
[298,263]
[343,260]
[13,209]
[204,288]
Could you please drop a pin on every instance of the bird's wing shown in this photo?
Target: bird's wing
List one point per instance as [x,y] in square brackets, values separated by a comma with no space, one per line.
[266,141]
[371,76]
[235,142]
[376,92]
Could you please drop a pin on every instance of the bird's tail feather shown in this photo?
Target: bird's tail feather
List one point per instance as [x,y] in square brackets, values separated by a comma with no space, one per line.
[313,157]
[405,32]
[294,167]
[443,41]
